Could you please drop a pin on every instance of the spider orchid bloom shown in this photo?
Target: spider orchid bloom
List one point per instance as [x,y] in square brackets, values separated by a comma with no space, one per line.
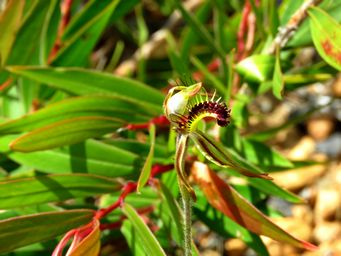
[184,109]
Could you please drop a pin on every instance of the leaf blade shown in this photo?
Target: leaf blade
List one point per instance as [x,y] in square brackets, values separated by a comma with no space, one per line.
[52,188]
[150,243]
[326,34]
[20,231]
[63,133]
[225,199]
[146,169]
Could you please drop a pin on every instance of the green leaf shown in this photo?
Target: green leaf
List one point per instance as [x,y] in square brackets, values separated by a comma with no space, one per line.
[52,188]
[161,153]
[20,231]
[78,48]
[225,199]
[148,240]
[65,132]
[91,157]
[146,169]
[83,82]
[257,68]
[278,82]
[106,106]
[326,34]
[26,47]
[132,238]
[10,21]
[174,212]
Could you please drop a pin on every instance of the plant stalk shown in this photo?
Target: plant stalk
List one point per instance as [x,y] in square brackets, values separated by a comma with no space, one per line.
[186,202]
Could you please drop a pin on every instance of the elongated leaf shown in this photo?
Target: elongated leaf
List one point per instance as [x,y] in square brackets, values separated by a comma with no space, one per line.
[26,46]
[278,82]
[20,231]
[66,132]
[10,20]
[132,238]
[146,169]
[225,199]
[82,82]
[78,48]
[149,242]
[110,106]
[90,245]
[326,34]
[216,153]
[91,157]
[257,68]
[174,212]
[52,188]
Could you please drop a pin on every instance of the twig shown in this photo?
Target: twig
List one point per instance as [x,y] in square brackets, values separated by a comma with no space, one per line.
[129,188]
[286,32]
[243,26]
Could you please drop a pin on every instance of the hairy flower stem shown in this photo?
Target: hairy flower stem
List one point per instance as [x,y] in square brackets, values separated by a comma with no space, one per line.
[186,202]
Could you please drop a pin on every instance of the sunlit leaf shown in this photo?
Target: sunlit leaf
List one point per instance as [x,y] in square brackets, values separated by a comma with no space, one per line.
[83,82]
[148,240]
[278,82]
[326,34]
[79,46]
[10,20]
[225,199]
[94,105]
[146,169]
[257,68]
[20,231]
[65,132]
[52,188]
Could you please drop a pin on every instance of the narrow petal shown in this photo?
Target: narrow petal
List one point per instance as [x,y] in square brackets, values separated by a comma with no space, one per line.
[216,153]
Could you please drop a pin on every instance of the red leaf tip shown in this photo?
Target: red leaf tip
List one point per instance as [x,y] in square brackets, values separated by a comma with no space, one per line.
[309,246]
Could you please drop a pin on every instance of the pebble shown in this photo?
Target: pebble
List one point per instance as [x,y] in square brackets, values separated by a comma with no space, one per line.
[298,178]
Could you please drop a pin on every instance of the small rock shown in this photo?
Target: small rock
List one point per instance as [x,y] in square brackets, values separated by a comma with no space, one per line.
[319,128]
[303,149]
[210,253]
[298,178]
[327,231]
[235,247]
[328,202]
[303,212]
[336,86]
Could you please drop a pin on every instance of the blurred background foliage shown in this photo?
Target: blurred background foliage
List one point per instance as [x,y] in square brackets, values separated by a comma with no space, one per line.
[80,82]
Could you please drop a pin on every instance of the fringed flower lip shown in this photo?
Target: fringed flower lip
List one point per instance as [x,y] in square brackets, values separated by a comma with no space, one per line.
[186,108]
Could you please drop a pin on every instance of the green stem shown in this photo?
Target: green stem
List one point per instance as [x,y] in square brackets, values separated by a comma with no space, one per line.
[186,201]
